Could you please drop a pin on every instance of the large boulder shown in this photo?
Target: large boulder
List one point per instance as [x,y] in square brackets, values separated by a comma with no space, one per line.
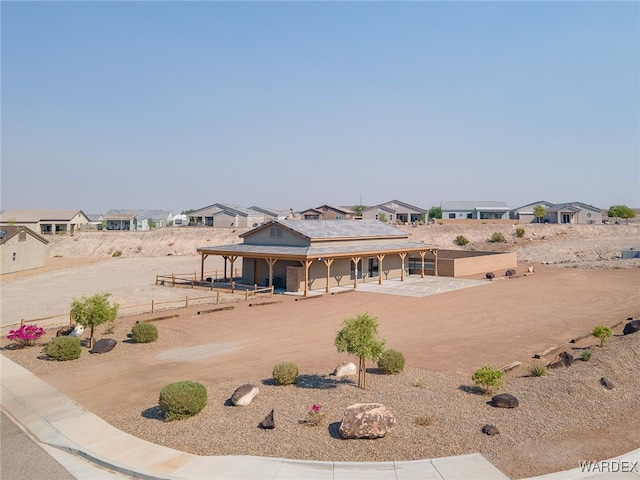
[510,273]
[104,345]
[366,420]
[631,327]
[345,369]
[65,331]
[564,359]
[244,394]
[490,275]
[504,400]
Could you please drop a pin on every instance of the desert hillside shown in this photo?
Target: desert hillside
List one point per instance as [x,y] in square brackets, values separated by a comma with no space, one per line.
[546,243]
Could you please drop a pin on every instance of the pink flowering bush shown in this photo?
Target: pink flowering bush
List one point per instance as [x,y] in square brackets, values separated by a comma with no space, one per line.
[314,416]
[26,335]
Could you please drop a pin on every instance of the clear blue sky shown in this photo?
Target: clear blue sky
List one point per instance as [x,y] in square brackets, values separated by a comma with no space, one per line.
[178,105]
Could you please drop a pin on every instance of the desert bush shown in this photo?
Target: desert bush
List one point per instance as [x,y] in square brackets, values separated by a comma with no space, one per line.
[182,399]
[391,362]
[117,253]
[487,379]
[602,332]
[538,370]
[25,335]
[285,373]
[520,232]
[425,420]
[461,240]
[144,332]
[64,348]
[497,237]
[315,416]
[585,356]
[418,383]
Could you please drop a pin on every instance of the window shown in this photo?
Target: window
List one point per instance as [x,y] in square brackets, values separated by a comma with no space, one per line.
[469,215]
[452,215]
[22,236]
[275,232]
[14,256]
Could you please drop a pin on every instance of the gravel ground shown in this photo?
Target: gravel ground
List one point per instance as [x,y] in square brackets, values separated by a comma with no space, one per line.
[560,409]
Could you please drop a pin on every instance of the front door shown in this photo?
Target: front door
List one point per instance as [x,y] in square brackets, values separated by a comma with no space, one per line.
[373,267]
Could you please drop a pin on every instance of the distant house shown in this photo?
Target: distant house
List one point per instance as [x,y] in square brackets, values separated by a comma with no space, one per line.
[226,215]
[46,222]
[121,222]
[573,212]
[145,219]
[470,210]
[305,255]
[395,211]
[21,249]
[328,212]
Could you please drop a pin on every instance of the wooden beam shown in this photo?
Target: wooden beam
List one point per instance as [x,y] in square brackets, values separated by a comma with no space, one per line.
[271,262]
[403,255]
[307,264]
[380,258]
[422,254]
[355,261]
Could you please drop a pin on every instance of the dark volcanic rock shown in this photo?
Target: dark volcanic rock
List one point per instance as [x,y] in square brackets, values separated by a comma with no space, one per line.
[504,400]
[104,345]
[631,327]
[490,430]
[268,423]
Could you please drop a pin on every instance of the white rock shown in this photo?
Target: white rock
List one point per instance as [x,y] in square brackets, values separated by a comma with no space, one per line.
[78,331]
[346,369]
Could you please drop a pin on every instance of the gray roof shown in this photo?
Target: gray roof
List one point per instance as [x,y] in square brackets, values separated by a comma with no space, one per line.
[10,231]
[335,229]
[467,206]
[316,251]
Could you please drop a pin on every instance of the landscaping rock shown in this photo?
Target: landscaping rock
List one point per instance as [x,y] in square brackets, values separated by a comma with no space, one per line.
[631,327]
[490,430]
[345,369]
[564,359]
[510,273]
[77,331]
[490,275]
[244,394]
[65,331]
[268,423]
[504,400]
[530,270]
[104,345]
[366,420]
[608,384]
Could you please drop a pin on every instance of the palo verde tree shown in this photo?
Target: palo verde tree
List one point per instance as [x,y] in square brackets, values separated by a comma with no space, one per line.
[539,212]
[92,311]
[358,337]
[621,211]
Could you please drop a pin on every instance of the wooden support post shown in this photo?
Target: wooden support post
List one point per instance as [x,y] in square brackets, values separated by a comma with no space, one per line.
[271,262]
[422,254]
[355,261]
[435,262]
[328,262]
[402,257]
[232,259]
[307,264]
[380,258]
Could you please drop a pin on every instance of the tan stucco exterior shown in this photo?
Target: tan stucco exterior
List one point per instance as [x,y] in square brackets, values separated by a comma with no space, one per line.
[21,250]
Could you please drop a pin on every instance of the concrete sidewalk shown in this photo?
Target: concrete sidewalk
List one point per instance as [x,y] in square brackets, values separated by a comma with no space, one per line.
[57,421]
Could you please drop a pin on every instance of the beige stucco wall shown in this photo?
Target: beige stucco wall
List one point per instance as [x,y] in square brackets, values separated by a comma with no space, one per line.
[459,263]
[263,237]
[30,254]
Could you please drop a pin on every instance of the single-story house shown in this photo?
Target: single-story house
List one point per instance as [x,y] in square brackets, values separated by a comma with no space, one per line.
[21,249]
[46,222]
[302,256]
[327,212]
[573,212]
[145,219]
[395,211]
[225,215]
[121,222]
[480,210]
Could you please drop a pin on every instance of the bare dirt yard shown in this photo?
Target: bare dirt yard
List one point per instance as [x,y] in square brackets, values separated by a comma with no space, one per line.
[563,418]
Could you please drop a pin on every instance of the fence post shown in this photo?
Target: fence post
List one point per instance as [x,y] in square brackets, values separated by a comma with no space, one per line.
[152,305]
[173,279]
[246,295]
[186,302]
[270,296]
[22,322]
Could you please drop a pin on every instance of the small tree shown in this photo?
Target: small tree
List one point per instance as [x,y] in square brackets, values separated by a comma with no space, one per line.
[92,311]
[435,212]
[602,332]
[382,217]
[621,211]
[358,209]
[539,212]
[358,337]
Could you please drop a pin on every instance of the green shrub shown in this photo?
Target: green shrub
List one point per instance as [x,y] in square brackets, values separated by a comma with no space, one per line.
[585,356]
[144,332]
[497,237]
[602,332]
[285,373]
[520,232]
[538,370]
[487,379]
[182,399]
[391,362]
[64,348]
[461,240]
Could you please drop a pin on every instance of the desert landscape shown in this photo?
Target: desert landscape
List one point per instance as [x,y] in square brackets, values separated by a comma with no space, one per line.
[580,281]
